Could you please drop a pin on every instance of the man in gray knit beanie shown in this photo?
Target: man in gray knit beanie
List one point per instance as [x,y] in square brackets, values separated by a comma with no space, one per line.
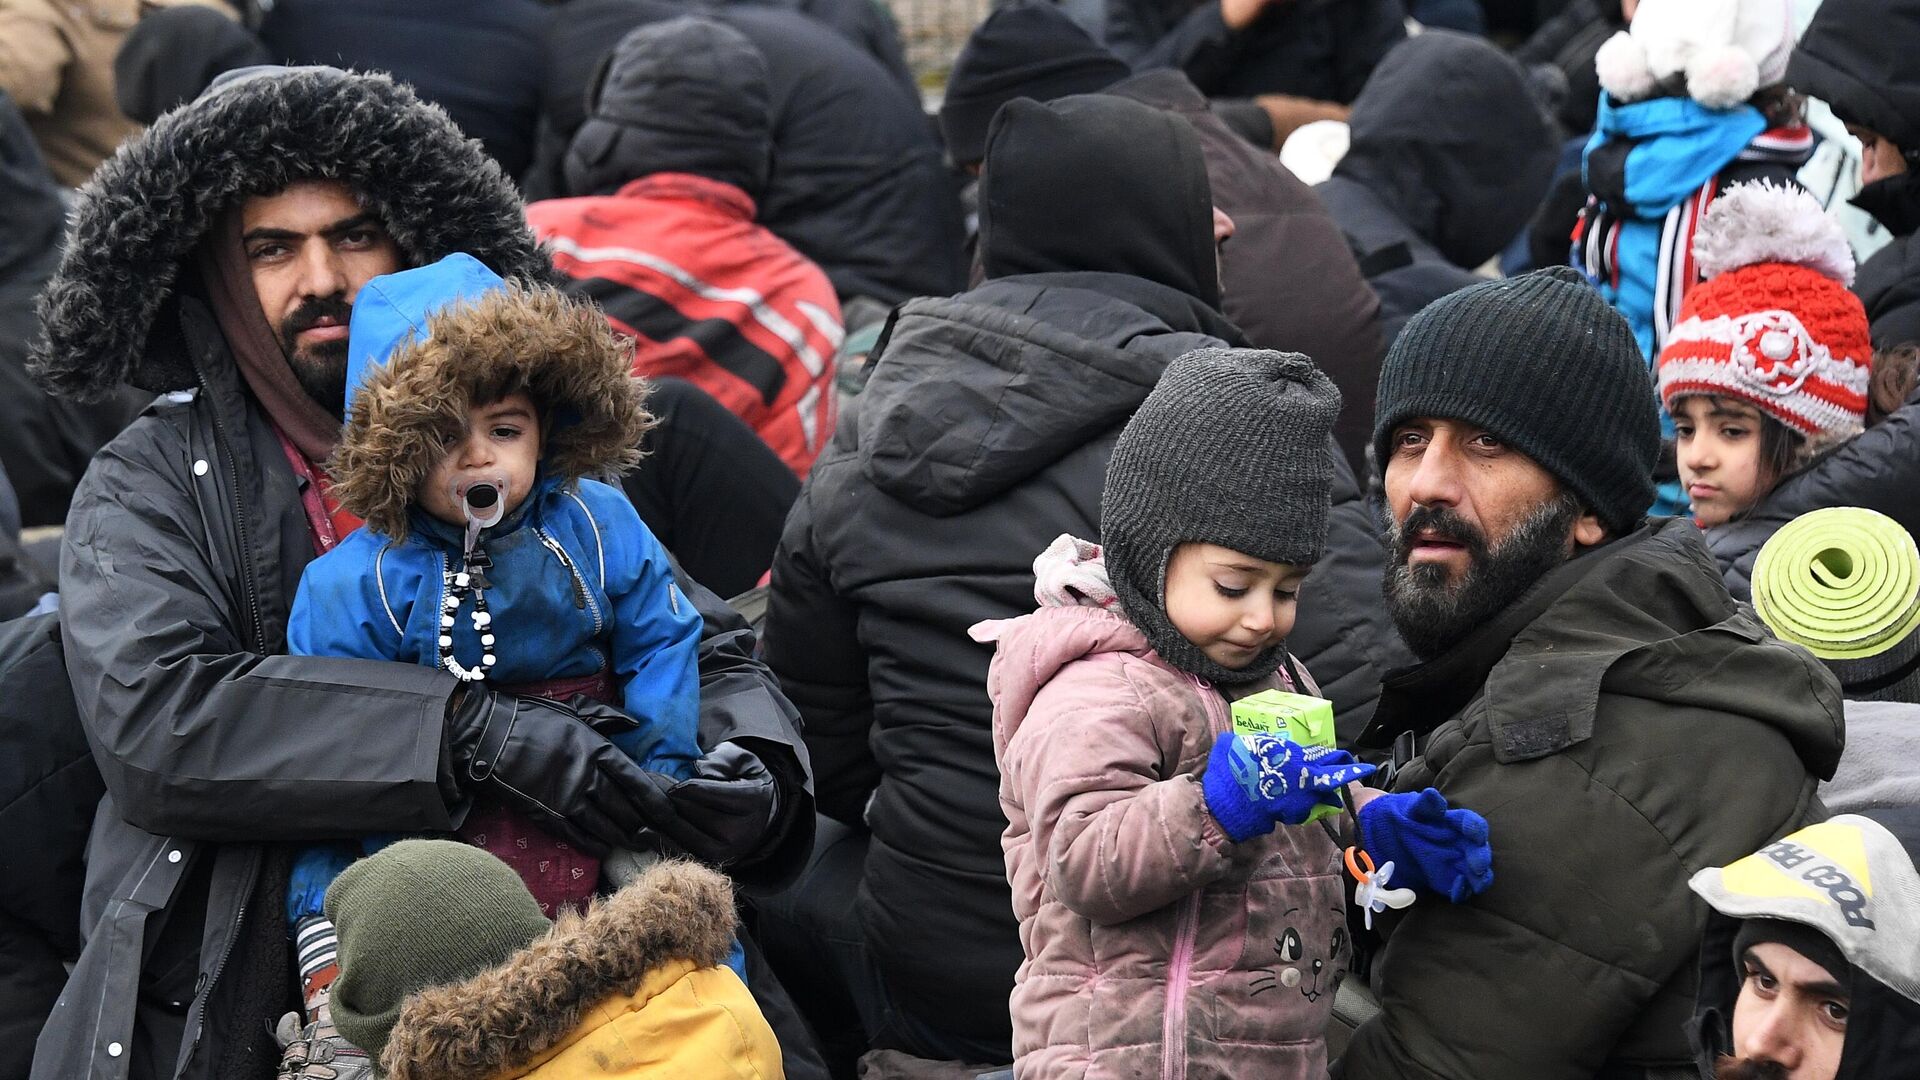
[1589,688]
[1229,449]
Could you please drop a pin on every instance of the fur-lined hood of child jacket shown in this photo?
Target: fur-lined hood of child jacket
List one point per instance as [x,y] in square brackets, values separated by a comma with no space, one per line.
[637,986]
[579,587]
[1154,944]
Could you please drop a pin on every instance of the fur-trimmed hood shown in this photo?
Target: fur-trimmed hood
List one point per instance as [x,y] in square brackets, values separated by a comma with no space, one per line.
[148,206]
[448,333]
[504,1017]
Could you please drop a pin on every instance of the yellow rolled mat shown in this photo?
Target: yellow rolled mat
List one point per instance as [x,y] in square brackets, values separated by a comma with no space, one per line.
[1844,582]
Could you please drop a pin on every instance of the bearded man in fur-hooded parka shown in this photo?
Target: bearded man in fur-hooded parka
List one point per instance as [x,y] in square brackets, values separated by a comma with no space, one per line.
[214,261]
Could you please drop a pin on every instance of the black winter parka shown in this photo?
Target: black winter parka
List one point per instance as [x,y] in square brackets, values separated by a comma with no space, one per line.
[183,550]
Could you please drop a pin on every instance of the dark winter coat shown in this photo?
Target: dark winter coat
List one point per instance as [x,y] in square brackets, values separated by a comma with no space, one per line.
[1879,470]
[983,435]
[477,59]
[865,23]
[859,185]
[1621,726]
[1857,56]
[709,489]
[1565,48]
[48,790]
[1287,278]
[1449,159]
[183,550]
[1321,49]
[48,441]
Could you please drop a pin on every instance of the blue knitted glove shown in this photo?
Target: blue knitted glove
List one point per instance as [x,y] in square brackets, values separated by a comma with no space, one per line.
[1254,781]
[1432,848]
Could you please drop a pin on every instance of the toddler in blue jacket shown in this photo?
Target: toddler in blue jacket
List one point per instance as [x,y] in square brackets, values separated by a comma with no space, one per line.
[477,415]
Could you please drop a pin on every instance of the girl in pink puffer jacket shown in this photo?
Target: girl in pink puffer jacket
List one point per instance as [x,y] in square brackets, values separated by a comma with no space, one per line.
[1170,929]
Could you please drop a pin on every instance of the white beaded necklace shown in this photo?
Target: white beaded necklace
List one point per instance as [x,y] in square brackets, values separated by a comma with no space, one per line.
[460,585]
[484,504]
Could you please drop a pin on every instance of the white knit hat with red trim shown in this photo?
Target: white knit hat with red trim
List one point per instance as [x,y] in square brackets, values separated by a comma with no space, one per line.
[1774,324]
[1725,49]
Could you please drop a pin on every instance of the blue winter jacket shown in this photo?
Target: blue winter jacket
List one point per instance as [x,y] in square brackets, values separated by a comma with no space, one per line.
[580,586]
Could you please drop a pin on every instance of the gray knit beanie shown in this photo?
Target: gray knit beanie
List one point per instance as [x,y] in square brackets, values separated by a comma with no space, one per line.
[1542,362]
[419,914]
[1230,448]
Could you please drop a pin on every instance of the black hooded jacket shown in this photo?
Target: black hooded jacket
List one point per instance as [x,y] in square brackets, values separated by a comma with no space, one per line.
[983,435]
[858,183]
[183,550]
[688,95]
[1450,156]
[1857,56]
[48,441]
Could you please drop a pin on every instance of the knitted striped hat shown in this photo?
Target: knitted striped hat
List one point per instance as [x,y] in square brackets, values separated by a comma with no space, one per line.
[1774,325]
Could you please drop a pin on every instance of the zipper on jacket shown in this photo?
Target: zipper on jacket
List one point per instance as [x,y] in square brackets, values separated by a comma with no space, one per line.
[1210,700]
[245,555]
[582,597]
[1173,1034]
[1186,931]
[256,641]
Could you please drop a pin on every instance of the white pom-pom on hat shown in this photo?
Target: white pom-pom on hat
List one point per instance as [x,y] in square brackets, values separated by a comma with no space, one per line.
[1763,222]
[1722,77]
[1623,69]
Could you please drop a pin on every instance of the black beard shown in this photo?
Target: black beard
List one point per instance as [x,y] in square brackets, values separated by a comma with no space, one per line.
[1728,1068]
[322,370]
[1432,615]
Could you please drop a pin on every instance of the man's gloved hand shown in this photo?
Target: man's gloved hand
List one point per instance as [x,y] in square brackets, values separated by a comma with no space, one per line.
[548,760]
[1432,848]
[554,762]
[721,813]
[1254,781]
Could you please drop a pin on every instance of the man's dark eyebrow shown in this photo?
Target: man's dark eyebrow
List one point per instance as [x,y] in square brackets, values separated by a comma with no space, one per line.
[344,225]
[496,412]
[1817,988]
[1824,988]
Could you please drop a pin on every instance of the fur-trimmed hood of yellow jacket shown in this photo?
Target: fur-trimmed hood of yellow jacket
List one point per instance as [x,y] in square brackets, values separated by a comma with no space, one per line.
[626,955]
[429,343]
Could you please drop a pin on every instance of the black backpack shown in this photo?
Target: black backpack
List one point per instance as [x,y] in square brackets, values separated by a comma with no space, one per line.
[49,789]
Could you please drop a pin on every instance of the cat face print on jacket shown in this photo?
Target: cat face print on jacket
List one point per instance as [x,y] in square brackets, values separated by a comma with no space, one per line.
[1310,968]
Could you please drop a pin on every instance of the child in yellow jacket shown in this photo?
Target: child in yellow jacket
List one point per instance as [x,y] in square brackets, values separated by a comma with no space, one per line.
[448,971]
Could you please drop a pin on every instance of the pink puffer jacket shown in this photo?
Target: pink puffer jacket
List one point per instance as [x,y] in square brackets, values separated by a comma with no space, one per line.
[1155,946]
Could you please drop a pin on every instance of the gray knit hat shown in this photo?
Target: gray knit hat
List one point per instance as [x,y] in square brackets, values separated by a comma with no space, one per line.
[421,913]
[1542,362]
[1230,448]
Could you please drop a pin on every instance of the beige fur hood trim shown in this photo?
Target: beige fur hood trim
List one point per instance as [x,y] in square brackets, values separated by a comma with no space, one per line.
[572,363]
[506,1016]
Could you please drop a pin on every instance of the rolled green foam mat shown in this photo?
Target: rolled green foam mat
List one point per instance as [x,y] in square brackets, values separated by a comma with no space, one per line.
[1844,582]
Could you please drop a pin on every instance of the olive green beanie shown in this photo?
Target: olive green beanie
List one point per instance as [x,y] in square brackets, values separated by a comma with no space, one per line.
[419,914]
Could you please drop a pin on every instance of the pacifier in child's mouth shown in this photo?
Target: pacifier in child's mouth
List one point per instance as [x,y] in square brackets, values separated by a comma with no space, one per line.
[483,502]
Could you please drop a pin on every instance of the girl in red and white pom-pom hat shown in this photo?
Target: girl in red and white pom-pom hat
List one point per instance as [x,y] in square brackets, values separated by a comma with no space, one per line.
[1770,361]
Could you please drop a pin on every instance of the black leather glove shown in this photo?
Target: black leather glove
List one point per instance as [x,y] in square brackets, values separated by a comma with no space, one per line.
[722,812]
[552,762]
